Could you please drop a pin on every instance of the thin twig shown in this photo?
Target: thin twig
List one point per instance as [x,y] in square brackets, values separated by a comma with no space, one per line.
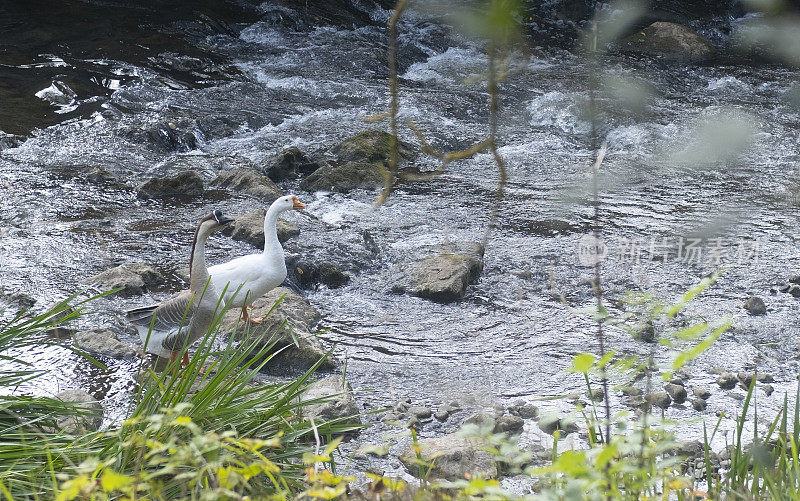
[394,142]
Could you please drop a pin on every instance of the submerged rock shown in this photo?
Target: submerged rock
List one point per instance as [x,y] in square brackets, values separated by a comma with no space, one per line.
[89,421]
[339,402]
[104,342]
[755,306]
[18,300]
[444,277]
[102,176]
[289,327]
[187,183]
[668,41]
[452,457]
[698,404]
[248,181]
[345,177]
[250,228]
[290,162]
[132,278]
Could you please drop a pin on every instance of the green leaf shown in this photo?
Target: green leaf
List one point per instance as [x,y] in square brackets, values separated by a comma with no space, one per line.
[582,363]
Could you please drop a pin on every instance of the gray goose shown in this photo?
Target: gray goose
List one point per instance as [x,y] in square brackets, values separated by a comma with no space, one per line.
[185,317]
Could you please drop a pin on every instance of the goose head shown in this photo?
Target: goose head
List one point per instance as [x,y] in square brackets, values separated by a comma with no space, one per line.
[288,202]
[213,221]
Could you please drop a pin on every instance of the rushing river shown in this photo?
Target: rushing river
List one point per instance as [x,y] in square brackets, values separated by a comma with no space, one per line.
[512,337]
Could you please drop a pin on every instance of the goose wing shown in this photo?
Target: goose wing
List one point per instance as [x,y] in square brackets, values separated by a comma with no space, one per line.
[170,314]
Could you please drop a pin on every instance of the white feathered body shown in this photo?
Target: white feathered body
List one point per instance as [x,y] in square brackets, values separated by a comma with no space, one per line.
[247,278]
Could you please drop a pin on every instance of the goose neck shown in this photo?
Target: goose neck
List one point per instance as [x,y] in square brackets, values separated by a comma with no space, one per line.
[198,271]
[271,243]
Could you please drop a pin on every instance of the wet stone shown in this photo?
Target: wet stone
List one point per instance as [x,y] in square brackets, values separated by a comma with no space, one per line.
[509,424]
[80,424]
[250,228]
[768,389]
[631,391]
[289,163]
[596,394]
[340,403]
[701,392]
[659,399]
[676,392]
[755,306]
[727,381]
[794,290]
[442,415]
[550,423]
[677,381]
[765,378]
[420,411]
[698,404]
[132,278]
[483,420]
[104,342]
[444,277]
[185,184]
[745,378]
[250,182]
[452,456]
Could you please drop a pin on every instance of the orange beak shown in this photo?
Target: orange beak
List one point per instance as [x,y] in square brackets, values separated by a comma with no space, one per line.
[297,204]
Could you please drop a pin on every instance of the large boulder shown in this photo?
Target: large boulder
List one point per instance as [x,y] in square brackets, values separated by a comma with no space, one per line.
[444,277]
[248,181]
[91,415]
[668,41]
[104,342]
[452,457]
[132,278]
[289,163]
[345,177]
[250,228]
[289,327]
[187,183]
[337,402]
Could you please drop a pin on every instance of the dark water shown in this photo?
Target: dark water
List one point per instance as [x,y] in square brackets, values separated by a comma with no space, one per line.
[512,337]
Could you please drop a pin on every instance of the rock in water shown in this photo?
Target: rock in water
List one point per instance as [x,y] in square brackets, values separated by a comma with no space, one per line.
[668,41]
[249,181]
[701,392]
[755,306]
[549,423]
[340,405]
[345,177]
[104,342]
[509,424]
[371,146]
[659,399]
[698,404]
[676,392]
[444,277]
[133,278]
[289,163]
[726,381]
[452,456]
[77,425]
[250,228]
[184,184]
[289,326]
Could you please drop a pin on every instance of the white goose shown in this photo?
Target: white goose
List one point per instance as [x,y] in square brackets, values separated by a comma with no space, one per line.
[247,278]
[185,317]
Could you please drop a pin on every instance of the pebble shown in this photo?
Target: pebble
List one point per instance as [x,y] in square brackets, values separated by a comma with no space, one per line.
[768,389]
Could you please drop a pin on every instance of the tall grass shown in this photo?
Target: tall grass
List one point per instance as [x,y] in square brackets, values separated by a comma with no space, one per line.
[208,428]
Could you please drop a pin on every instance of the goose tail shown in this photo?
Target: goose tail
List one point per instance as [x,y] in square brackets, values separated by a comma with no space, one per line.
[141,315]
